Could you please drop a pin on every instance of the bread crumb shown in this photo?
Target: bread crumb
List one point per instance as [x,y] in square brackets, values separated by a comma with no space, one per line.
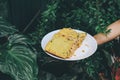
[83,50]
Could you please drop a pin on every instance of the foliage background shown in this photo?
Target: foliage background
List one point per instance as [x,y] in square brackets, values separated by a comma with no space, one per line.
[92,16]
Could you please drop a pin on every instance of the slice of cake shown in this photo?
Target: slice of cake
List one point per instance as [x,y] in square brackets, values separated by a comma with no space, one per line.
[64,43]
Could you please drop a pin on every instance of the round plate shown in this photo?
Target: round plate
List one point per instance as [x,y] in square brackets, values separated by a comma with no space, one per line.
[88,47]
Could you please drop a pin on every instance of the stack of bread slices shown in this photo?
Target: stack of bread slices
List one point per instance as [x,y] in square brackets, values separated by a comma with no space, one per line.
[64,43]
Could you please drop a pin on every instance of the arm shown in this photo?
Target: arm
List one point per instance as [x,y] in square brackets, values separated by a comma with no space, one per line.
[115,32]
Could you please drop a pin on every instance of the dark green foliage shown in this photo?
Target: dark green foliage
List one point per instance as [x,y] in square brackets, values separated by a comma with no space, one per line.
[17,56]
[83,15]
[6,28]
[17,59]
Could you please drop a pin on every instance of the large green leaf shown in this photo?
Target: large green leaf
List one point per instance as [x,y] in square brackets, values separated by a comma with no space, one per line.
[18,59]
[6,28]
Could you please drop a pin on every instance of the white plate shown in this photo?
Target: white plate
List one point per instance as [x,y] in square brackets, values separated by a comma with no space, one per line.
[87,48]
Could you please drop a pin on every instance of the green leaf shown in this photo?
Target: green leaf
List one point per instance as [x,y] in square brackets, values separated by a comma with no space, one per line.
[18,59]
[6,28]
[19,39]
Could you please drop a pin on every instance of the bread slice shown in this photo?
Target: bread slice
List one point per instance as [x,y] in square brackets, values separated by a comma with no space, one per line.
[64,43]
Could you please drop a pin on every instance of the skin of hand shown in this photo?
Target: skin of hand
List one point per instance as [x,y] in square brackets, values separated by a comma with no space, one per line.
[114,32]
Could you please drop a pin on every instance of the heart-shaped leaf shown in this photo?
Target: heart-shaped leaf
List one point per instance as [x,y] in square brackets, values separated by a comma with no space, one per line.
[18,59]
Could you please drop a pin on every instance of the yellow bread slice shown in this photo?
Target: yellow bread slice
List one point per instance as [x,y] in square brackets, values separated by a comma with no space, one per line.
[65,42]
[67,33]
[60,47]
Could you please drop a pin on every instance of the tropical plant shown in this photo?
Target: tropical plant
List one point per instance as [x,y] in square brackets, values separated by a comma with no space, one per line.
[17,56]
